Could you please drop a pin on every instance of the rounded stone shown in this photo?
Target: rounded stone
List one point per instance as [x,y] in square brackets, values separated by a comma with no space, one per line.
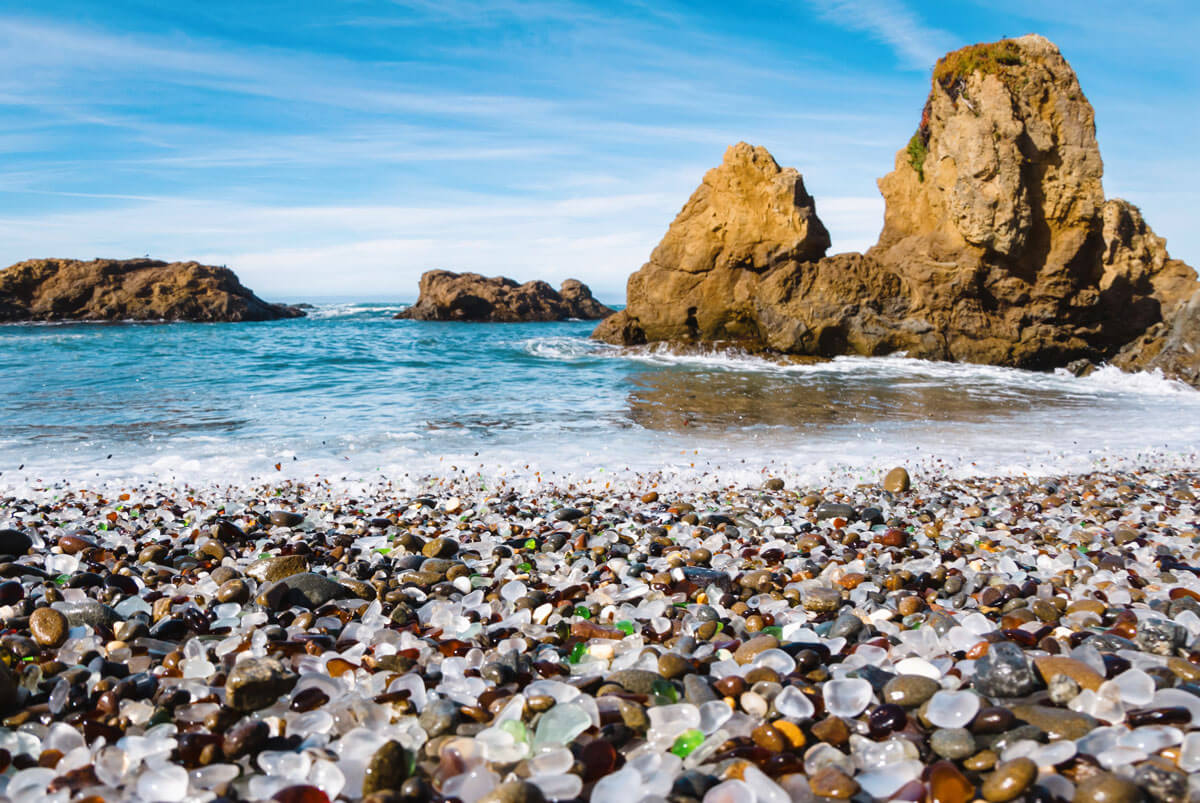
[829,781]
[389,767]
[952,743]
[48,627]
[910,691]
[234,590]
[897,480]
[440,548]
[1010,780]
[256,683]
[1105,787]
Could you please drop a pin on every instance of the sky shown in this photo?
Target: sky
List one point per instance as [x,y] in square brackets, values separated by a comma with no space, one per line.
[340,148]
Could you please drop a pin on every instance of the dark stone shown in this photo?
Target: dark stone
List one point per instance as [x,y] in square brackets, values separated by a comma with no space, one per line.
[1004,672]
[285,518]
[833,510]
[14,542]
[303,590]
[1160,636]
[256,683]
[389,768]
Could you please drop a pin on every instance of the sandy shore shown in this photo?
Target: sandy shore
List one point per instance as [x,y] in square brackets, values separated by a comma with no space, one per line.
[520,639]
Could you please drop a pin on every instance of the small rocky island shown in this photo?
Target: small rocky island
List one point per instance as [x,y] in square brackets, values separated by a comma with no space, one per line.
[448,296]
[129,290]
[998,245]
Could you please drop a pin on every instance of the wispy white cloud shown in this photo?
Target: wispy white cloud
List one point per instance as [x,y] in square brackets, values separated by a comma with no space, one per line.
[892,23]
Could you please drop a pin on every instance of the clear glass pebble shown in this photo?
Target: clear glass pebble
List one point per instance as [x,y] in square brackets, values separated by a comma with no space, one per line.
[164,783]
[847,697]
[952,709]
[792,703]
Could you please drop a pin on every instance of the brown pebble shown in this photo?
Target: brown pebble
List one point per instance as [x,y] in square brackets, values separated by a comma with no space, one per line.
[48,627]
[982,761]
[831,782]
[1010,780]
[948,785]
[832,730]
[1104,787]
[768,737]
[897,480]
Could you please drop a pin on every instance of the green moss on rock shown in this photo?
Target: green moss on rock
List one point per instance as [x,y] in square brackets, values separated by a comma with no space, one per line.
[989,58]
[917,151]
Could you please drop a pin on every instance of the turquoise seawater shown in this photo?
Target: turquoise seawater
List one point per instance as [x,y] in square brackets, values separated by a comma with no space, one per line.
[351,392]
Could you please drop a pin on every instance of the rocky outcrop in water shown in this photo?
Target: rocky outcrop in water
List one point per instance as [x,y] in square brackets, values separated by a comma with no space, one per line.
[998,245]
[129,289]
[447,296]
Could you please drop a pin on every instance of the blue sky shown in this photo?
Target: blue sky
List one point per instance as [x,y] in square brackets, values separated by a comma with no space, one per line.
[342,147]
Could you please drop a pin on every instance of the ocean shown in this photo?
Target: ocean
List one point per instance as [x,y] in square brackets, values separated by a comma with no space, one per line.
[351,394]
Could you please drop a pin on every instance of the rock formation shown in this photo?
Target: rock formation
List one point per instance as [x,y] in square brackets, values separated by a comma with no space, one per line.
[997,246]
[447,296]
[130,289]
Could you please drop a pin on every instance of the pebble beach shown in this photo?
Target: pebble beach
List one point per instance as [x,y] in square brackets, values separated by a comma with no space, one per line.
[924,638]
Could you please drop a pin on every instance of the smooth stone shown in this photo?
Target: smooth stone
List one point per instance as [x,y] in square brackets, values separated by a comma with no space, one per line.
[14,542]
[1162,781]
[1004,672]
[246,737]
[947,784]
[829,781]
[439,717]
[952,743]
[750,649]
[442,548]
[285,518]
[304,590]
[672,665]
[833,510]
[1009,780]
[1160,636]
[234,590]
[638,681]
[270,570]
[845,626]
[1058,723]
[897,480]
[73,543]
[910,691]
[1105,787]
[389,767]
[48,627]
[566,514]
[256,683]
[1078,671]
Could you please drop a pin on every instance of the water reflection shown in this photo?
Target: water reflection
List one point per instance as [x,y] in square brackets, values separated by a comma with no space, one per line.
[677,399]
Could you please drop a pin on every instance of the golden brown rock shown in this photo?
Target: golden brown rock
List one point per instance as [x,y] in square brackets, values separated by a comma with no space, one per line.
[129,289]
[831,782]
[948,785]
[897,480]
[701,283]
[447,296]
[1009,780]
[998,245]
[1078,671]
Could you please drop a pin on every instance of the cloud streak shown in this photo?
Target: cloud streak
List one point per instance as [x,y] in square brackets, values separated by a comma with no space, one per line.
[889,22]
